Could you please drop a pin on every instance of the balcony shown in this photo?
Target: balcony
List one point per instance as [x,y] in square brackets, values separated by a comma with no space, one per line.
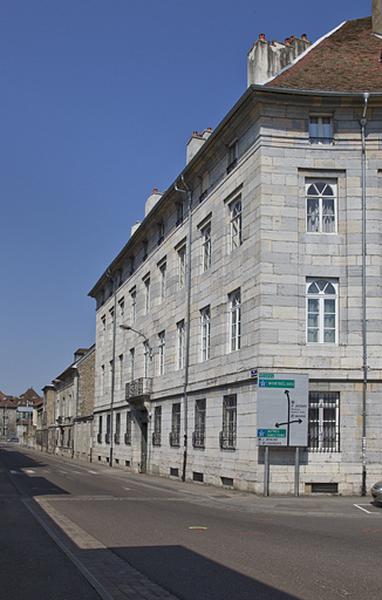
[138,390]
[128,439]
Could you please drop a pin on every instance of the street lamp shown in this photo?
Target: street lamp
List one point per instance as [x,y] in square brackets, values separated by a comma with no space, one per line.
[145,338]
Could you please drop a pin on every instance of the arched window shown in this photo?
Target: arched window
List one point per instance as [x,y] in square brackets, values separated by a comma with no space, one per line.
[322,310]
[321,202]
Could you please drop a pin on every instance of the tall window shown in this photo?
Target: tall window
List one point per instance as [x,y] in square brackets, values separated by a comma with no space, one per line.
[235,224]
[233,155]
[321,206]
[162,279]
[99,434]
[204,186]
[111,366]
[206,247]
[179,213]
[180,335]
[145,246]
[117,434]
[205,333]
[182,266]
[108,429]
[157,432]
[120,369]
[121,308]
[198,437]
[111,313]
[228,433]
[322,311]
[128,429]
[133,305]
[234,300]
[175,425]
[102,379]
[132,363]
[321,130]
[146,283]
[146,358]
[161,351]
[324,422]
[160,232]
[103,323]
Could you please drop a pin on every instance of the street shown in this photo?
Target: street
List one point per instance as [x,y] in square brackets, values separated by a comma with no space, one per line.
[82,530]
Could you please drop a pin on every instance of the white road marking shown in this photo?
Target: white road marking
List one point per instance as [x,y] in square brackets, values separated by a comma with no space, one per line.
[61,471]
[29,471]
[127,489]
[364,509]
[92,472]
[14,472]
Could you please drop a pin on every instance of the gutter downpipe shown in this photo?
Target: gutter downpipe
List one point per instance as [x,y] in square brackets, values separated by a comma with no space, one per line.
[363,123]
[188,192]
[112,394]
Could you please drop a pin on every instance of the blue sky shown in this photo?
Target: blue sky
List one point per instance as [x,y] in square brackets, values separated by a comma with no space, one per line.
[98,100]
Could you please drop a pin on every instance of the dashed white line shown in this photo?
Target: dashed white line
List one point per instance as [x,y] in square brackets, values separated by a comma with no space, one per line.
[29,471]
[364,509]
[92,472]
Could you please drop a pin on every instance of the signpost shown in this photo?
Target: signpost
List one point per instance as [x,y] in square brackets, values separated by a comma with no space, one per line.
[282,416]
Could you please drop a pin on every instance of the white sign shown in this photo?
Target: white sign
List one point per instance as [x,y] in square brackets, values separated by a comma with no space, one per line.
[282,409]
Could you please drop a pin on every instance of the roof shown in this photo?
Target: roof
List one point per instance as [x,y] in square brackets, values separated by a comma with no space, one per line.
[348,59]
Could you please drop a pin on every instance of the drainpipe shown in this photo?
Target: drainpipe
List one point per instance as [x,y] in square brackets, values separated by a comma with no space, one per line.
[188,192]
[363,124]
[110,277]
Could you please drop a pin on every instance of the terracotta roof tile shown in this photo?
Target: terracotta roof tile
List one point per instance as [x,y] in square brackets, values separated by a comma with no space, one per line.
[348,60]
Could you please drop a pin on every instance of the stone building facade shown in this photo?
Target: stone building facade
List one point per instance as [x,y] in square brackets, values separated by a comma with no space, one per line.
[256,258]
[83,420]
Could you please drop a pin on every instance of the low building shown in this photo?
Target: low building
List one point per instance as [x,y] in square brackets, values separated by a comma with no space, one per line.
[84,417]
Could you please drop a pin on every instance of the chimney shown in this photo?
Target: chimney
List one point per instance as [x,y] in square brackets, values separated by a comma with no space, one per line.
[151,201]
[377,16]
[195,142]
[266,59]
[134,228]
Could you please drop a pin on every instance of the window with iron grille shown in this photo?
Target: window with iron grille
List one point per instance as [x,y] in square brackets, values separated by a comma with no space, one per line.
[321,206]
[157,432]
[324,422]
[161,351]
[235,223]
[321,129]
[99,434]
[228,433]
[198,436]
[234,300]
[206,247]
[205,333]
[128,429]
[175,425]
[108,429]
[117,434]
[322,311]
[180,343]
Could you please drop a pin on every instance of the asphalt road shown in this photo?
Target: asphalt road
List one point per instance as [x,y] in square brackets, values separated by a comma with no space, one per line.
[203,543]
